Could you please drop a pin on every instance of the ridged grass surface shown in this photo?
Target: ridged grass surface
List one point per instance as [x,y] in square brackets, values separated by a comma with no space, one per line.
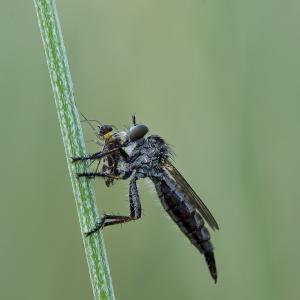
[74,145]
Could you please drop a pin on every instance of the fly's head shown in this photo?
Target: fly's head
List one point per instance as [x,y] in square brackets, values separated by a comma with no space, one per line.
[134,136]
[137,131]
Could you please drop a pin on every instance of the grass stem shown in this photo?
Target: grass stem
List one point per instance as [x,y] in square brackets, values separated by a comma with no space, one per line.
[74,145]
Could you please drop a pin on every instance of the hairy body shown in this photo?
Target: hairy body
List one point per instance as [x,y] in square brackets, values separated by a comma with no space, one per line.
[149,157]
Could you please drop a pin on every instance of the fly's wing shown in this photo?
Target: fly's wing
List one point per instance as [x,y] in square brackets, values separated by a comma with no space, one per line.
[191,194]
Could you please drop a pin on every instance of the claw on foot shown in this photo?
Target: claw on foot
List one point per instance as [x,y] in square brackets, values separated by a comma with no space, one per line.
[99,226]
[74,159]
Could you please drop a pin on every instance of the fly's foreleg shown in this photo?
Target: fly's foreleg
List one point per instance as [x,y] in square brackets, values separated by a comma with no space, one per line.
[96,155]
[134,206]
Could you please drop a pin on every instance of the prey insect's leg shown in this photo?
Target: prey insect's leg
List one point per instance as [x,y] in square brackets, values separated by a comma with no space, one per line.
[96,142]
[134,206]
[96,155]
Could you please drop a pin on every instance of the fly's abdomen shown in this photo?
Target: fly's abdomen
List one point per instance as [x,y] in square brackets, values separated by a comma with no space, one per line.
[188,220]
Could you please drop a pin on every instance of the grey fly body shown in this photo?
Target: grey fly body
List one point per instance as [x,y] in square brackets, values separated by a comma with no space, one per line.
[134,155]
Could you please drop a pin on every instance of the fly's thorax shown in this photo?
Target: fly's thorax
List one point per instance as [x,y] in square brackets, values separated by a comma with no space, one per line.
[158,147]
[129,148]
[144,157]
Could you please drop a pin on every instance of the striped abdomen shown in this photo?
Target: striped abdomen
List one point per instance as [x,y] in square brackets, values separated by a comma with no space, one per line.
[187,218]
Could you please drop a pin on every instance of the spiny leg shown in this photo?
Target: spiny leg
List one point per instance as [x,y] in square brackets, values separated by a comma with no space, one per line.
[134,206]
[134,199]
[107,220]
[96,155]
[92,175]
[87,157]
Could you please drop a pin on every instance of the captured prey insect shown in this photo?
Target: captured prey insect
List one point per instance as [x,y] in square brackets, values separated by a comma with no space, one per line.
[132,154]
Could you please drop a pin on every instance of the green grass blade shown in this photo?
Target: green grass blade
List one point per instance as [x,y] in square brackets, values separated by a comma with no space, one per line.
[74,145]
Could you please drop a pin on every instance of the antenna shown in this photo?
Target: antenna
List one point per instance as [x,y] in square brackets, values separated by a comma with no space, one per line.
[89,122]
[133,116]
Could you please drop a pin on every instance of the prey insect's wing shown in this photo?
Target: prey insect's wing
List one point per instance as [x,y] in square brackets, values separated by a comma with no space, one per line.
[191,194]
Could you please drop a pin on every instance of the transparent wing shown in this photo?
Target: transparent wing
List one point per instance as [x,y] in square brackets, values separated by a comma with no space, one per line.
[191,194]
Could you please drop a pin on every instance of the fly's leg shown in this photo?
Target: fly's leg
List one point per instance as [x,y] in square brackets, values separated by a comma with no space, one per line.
[96,142]
[134,206]
[134,200]
[92,175]
[96,155]
[107,220]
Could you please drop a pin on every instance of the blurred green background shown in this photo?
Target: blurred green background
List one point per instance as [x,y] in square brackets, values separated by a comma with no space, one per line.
[220,81]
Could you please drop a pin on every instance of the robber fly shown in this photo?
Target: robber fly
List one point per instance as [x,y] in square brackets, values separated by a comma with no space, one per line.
[140,156]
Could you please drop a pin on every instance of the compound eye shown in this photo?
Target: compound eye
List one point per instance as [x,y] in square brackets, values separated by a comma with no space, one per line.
[137,132]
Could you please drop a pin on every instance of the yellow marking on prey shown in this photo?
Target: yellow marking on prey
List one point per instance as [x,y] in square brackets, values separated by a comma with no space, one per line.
[108,135]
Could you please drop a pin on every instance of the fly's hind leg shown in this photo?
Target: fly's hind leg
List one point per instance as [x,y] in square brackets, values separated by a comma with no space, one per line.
[134,206]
